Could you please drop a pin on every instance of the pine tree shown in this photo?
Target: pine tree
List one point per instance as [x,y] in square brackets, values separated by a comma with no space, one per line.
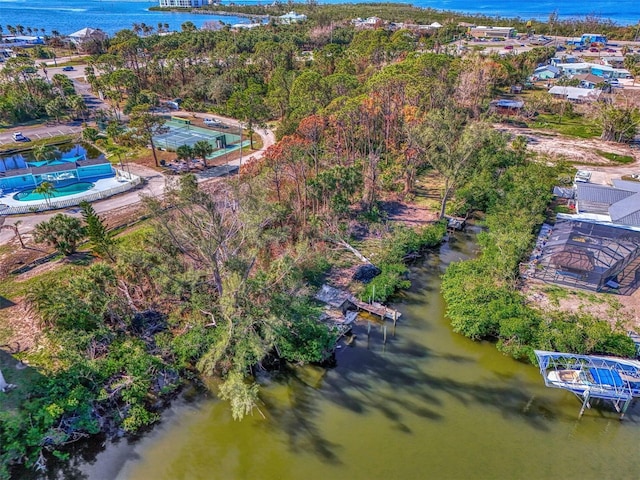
[96,230]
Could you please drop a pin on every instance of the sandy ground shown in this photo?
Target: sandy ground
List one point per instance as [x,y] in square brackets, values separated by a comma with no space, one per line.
[620,311]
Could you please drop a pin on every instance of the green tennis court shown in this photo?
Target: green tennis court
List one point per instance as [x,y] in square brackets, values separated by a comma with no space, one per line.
[179,133]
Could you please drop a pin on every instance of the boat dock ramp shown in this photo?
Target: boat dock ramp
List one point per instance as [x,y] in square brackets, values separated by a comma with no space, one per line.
[592,376]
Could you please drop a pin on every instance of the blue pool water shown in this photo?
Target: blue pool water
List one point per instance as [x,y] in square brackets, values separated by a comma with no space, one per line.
[79,187]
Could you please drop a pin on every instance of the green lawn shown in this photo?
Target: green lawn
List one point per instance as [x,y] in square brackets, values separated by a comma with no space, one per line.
[614,157]
[24,378]
[573,127]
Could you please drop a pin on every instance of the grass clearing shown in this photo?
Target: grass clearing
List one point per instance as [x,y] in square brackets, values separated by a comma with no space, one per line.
[576,126]
[23,377]
[12,288]
[556,294]
[614,157]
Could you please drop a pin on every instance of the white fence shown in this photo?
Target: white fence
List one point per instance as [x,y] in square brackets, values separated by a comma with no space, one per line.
[71,202]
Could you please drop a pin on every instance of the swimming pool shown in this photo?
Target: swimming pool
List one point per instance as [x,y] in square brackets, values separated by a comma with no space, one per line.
[30,194]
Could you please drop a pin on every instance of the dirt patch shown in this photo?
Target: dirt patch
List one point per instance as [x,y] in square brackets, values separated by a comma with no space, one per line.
[575,150]
[620,311]
[12,256]
[409,214]
[23,327]
[146,159]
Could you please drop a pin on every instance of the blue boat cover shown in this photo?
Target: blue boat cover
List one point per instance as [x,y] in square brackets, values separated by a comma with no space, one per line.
[604,376]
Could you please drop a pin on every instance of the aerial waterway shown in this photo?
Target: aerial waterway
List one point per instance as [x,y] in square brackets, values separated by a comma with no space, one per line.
[428,404]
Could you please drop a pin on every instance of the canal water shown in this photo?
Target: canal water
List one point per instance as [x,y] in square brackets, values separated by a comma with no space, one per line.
[428,404]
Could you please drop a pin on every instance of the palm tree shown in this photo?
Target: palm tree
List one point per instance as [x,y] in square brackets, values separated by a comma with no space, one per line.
[77,105]
[185,152]
[202,149]
[46,189]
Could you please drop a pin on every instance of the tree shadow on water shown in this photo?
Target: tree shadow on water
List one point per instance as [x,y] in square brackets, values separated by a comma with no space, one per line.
[398,385]
[299,418]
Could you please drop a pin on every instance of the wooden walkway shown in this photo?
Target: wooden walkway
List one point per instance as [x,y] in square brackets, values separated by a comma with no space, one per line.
[343,300]
[375,308]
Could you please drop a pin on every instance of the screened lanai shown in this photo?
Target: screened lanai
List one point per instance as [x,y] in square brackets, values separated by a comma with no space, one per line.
[590,256]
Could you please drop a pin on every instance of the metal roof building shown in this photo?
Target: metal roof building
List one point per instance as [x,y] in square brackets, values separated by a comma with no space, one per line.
[621,202]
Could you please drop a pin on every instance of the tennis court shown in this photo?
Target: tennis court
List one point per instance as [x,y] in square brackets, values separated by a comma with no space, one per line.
[181,133]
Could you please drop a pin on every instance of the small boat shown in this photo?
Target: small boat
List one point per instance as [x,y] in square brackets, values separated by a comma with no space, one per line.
[592,376]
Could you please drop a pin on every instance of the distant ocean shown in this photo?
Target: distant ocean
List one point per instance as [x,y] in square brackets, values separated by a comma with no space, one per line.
[68,16]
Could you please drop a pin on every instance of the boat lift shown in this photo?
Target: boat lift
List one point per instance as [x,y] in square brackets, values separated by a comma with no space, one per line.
[590,376]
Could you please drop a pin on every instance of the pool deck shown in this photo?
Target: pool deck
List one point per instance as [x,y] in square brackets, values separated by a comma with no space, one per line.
[99,186]
[154,186]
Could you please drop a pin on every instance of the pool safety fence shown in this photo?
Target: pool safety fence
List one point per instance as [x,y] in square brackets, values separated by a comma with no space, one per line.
[54,204]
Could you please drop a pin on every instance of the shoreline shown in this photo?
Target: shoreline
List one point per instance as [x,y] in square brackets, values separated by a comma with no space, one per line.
[496,16]
[221,13]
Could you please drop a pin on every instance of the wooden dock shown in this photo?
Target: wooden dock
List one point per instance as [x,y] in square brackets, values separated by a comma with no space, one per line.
[375,308]
[343,301]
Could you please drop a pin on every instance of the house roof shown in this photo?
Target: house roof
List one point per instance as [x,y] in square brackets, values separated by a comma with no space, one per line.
[626,185]
[589,192]
[575,66]
[87,33]
[589,77]
[550,68]
[564,192]
[575,93]
[627,207]
[504,103]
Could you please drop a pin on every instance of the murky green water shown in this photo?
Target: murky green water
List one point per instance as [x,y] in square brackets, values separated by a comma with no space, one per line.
[429,405]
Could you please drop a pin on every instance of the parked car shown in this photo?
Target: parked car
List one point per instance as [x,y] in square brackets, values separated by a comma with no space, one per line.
[212,122]
[594,50]
[610,50]
[508,47]
[19,137]
[582,176]
[68,68]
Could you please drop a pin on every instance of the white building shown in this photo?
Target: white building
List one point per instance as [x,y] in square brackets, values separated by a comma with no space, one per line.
[575,94]
[492,32]
[183,3]
[371,22]
[292,17]
[87,34]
